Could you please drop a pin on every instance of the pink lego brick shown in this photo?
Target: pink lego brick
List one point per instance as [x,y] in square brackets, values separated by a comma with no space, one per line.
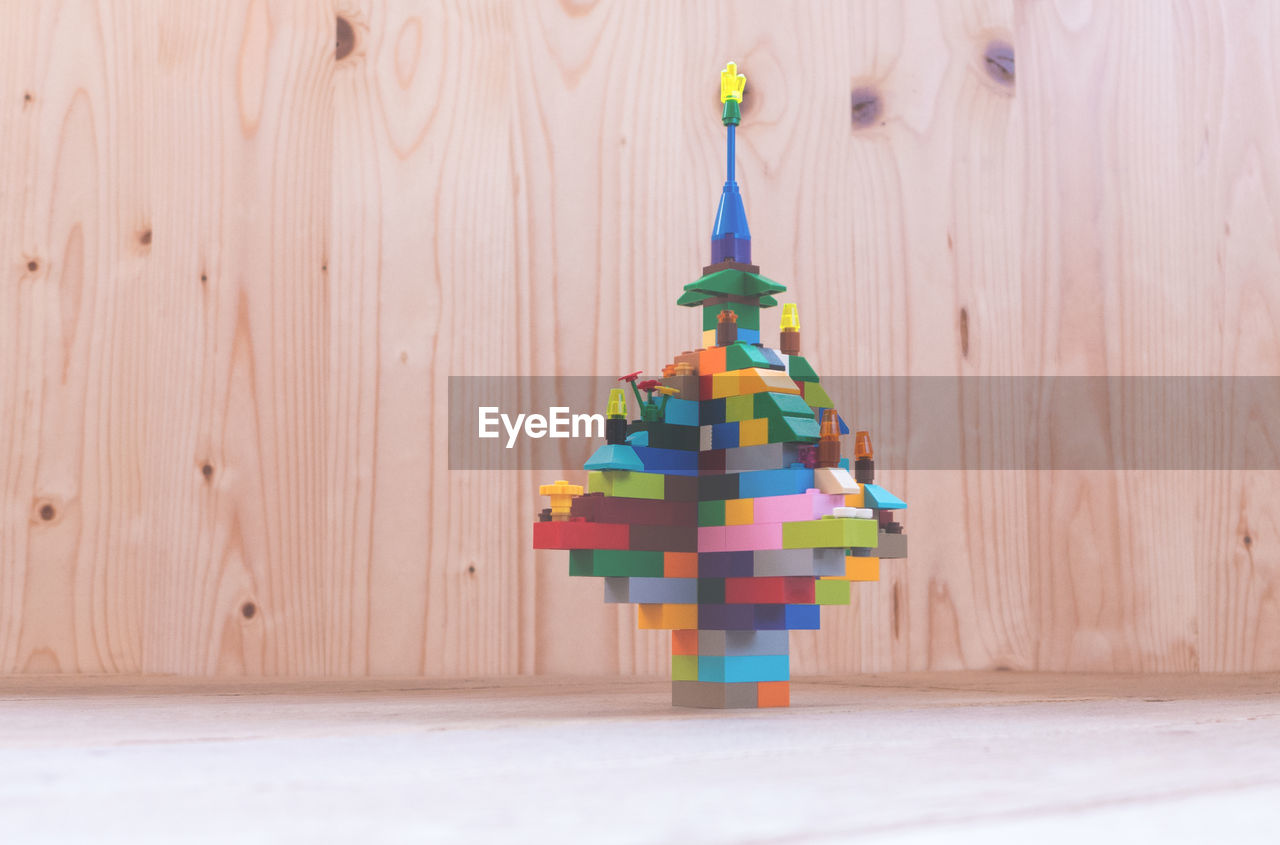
[758,535]
[796,508]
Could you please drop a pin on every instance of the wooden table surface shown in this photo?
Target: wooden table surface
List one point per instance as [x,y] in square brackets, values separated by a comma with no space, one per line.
[903,758]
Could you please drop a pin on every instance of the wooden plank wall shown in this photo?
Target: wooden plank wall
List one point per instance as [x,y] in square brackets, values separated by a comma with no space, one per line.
[237,267]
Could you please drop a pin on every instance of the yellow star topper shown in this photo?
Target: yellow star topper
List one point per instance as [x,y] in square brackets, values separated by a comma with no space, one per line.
[732,83]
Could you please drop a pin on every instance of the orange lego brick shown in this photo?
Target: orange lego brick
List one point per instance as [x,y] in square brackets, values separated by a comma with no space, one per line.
[684,642]
[680,564]
[773,694]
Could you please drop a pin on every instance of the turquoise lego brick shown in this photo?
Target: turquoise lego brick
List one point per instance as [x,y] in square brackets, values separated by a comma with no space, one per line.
[742,356]
[681,412]
[744,668]
[875,496]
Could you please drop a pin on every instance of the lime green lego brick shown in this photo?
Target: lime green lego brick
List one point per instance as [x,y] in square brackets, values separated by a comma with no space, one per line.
[748,315]
[598,482]
[831,591]
[626,563]
[581,562]
[830,534]
[771,405]
[743,356]
[636,485]
[799,369]
[793,429]
[684,667]
[711,513]
[739,408]
[815,396]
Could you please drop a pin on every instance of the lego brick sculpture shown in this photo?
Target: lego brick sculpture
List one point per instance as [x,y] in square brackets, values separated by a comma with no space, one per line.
[726,511]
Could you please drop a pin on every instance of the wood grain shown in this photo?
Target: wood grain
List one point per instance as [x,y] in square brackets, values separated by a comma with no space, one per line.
[238,266]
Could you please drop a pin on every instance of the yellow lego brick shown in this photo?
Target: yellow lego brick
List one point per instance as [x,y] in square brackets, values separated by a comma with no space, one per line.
[753,432]
[765,381]
[861,568]
[724,385]
[709,338]
[739,511]
[854,500]
[668,617]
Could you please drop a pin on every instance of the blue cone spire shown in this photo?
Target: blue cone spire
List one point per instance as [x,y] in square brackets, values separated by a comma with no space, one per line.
[731,237]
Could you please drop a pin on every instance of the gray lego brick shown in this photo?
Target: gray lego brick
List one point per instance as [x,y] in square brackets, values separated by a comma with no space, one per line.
[891,546]
[713,695]
[777,562]
[748,458]
[738,643]
[618,590]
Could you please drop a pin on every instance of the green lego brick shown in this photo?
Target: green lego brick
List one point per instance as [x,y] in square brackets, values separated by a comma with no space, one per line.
[792,429]
[831,591]
[581,562]
[800,370]
[739,408]
[742,356]
[830,534]
[770,405]
[710,591]
[711,513]
[598,482]
[636,485]
[815,396]
[624,562]
[748,315]
[684,667]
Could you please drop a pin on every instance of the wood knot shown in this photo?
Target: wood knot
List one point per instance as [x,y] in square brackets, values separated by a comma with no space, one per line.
[998,60]
[346,39]
[865,107]
[48,512]
[144,237]
[1248,541]
[33,266]
[207,471]
[248,610]
[471,569]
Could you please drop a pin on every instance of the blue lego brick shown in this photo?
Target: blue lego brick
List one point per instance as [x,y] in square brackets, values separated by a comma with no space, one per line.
[726,617]
[752,667]
[786,617]
[878,497]
[802,617]
[668,461]
[682,412]
[710,411]
[774,482]
[749,336]
[740,643]
[724,435]
[727,564]
[651,590]
[774,359]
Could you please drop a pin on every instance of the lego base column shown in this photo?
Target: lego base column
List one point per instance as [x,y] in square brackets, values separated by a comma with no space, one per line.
[730,669]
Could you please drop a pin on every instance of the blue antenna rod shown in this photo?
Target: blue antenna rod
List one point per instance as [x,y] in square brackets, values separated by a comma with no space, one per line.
[731,238]
[732,127]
